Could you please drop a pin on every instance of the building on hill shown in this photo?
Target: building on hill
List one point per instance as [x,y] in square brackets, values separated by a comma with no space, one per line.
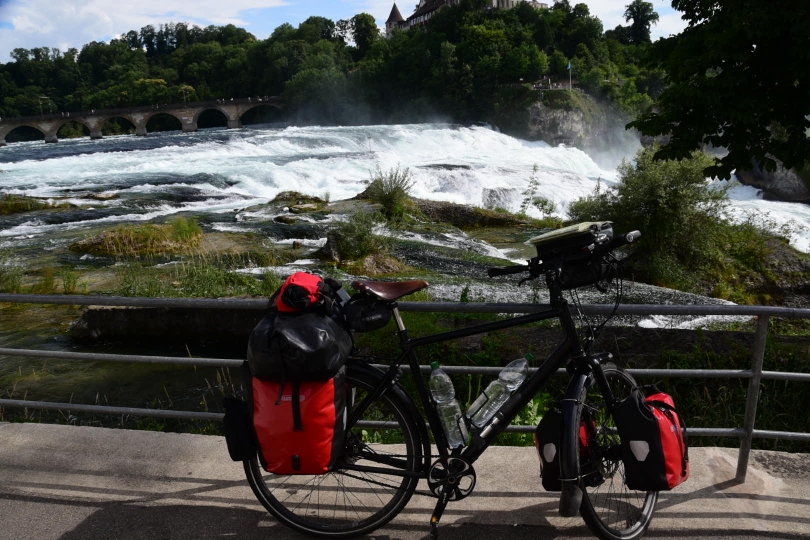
[426,8]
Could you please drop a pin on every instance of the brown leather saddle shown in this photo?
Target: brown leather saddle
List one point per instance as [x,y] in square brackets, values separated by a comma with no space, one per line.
[389,290]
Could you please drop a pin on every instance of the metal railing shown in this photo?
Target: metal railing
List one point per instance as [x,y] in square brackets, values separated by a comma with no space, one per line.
[755,374]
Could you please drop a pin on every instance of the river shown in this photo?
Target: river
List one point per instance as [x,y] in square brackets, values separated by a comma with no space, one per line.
[218,171]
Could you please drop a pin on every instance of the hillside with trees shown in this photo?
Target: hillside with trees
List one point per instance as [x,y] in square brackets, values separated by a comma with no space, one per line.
[457,67]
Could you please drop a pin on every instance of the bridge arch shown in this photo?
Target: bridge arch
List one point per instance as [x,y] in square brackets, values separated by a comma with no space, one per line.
[30,128]
[204,110]
[261,113]
[110,130]
[72,124]
[151,116]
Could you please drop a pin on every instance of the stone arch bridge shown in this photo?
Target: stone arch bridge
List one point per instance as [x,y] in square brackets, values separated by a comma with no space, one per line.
[186,113]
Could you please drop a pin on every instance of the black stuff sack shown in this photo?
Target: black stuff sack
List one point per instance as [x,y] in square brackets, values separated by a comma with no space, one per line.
[307,347]
[654,444]
[363,315]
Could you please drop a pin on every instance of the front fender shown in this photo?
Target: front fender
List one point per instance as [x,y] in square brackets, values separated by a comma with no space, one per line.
[571,495]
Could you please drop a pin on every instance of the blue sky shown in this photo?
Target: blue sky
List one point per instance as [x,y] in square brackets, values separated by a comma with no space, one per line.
[72,23]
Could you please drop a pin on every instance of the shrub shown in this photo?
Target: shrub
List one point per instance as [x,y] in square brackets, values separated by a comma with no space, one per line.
[680,216]
[16,204]
[391,190]
[10,275]
[354,238]
[687,239]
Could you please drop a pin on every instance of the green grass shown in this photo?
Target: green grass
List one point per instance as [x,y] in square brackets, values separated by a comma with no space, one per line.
[178,236]
[201,277]
[17,204]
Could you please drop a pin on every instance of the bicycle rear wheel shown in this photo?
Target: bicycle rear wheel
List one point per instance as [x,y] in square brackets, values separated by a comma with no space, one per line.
[345,502]
[609,508]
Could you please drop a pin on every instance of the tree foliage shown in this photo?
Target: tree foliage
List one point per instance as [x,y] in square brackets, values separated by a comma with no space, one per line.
[739,78]
[643,16]
[464,65]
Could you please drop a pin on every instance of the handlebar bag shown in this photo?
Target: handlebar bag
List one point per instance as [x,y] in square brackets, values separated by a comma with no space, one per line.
[570,240]
[653,439]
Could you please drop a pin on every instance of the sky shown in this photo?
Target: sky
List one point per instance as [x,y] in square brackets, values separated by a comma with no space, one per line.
[72,23]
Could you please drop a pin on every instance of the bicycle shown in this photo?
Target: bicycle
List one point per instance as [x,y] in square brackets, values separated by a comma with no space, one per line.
[329,506]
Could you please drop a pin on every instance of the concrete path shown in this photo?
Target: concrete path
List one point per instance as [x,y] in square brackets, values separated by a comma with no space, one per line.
[82,483]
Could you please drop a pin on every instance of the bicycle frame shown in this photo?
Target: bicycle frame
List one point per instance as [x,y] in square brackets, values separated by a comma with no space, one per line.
[570,347]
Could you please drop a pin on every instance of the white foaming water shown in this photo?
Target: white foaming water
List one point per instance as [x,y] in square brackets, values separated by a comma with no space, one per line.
[228,170]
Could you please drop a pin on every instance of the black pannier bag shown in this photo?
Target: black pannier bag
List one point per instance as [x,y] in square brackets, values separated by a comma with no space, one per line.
[547,439]
[654,444]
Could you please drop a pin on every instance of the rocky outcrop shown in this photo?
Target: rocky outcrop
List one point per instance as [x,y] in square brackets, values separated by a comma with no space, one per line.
[557,125]
[779,185]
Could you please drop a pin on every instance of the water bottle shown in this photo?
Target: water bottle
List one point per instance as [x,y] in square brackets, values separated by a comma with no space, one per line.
[441,388]
[498,391]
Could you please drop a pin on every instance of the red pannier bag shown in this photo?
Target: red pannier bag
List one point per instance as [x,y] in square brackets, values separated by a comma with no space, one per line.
[654,444]
[299,425]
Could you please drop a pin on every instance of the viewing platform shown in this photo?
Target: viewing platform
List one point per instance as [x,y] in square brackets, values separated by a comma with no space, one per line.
[85,483]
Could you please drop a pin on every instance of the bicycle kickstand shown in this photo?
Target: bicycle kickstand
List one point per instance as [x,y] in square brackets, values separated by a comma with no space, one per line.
[441,504]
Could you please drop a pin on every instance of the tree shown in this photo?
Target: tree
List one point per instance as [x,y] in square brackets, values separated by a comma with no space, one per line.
[364,31]
[735,82]
[643,16]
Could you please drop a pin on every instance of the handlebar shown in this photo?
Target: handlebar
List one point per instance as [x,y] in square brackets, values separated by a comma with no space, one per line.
[616,242]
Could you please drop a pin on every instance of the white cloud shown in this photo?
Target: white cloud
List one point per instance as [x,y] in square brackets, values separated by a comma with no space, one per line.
[668,25]
[72,23]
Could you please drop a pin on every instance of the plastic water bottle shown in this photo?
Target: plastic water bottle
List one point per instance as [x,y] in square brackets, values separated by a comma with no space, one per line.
[498,391]
[441,388]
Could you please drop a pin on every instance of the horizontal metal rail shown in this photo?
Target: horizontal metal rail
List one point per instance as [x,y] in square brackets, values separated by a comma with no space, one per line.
[754,375]
[419,307]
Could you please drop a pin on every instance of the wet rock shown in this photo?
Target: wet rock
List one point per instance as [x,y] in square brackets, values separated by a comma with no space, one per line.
[304,208]
[379,264]
[779,185]
[287,220]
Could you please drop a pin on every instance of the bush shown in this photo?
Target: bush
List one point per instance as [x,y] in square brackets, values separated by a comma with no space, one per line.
[687,240]
[681,218]
[354,238]
[391,190]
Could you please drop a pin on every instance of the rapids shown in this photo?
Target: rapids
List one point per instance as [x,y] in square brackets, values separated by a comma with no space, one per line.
[219,172]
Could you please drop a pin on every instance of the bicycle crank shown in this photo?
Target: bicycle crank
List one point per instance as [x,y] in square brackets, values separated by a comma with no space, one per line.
[455,481]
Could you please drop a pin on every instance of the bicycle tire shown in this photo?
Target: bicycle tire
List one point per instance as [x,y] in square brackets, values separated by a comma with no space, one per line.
[328,506]
[610,510]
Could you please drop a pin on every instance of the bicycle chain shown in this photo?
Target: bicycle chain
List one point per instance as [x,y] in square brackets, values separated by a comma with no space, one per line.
[416,491]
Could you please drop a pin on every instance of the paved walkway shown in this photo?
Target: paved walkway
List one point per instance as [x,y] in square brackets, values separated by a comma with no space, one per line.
[82,483]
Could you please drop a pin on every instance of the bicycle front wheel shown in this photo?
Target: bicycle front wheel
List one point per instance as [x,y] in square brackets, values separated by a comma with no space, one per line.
[348,502]
[609,508]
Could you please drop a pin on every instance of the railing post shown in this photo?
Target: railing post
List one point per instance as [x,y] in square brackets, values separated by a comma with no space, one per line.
[753,397]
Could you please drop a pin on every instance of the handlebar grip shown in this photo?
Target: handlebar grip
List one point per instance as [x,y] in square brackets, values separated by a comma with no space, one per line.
[506,270]
[622,239]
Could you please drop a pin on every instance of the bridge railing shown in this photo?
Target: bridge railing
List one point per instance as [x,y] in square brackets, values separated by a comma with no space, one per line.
[755,374]
[136,109]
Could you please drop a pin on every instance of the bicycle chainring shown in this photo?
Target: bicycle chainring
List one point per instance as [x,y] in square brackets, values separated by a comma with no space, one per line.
[458,477]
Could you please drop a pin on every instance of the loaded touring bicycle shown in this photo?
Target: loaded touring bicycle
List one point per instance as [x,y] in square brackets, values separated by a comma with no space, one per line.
[386,450]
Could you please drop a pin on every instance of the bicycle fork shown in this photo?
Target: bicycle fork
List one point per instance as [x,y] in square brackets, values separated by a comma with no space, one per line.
[570,475]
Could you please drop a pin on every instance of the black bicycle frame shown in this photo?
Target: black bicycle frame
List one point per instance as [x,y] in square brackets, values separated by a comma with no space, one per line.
[479,442]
